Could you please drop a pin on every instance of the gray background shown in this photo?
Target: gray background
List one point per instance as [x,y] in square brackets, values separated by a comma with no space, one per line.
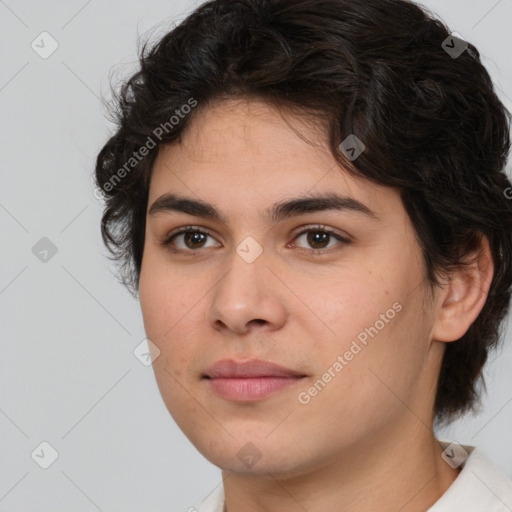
[68,374]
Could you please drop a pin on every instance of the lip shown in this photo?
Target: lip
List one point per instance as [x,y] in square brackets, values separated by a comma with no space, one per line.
[231,369]
[249,381]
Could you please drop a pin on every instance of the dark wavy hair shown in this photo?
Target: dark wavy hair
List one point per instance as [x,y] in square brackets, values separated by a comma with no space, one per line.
[431,122]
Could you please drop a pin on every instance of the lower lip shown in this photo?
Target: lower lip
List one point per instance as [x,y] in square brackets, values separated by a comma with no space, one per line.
[250,389]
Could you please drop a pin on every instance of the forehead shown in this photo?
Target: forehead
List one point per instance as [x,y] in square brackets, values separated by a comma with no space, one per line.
[246,153]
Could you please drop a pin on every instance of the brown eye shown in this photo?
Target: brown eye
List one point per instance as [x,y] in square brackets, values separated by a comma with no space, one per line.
[319,240]
[194,239]
[188,240]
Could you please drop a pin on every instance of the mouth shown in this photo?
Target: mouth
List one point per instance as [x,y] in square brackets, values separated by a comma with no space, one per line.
[249,381]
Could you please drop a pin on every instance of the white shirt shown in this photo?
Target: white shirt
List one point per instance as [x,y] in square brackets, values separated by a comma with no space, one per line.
[479,487]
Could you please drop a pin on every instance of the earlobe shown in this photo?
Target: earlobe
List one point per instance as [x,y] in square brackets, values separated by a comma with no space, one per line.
[464,295]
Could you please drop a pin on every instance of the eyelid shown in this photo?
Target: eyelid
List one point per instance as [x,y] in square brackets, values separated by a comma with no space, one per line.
[321,227]
[343,240]
[185,229]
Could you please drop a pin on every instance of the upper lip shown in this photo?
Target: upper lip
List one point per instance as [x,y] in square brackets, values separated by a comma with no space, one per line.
[229,368]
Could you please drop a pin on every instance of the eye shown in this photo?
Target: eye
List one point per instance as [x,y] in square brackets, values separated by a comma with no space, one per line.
[189,239]
[319,238]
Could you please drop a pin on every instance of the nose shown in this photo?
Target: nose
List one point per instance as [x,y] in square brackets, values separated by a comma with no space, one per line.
[247,296]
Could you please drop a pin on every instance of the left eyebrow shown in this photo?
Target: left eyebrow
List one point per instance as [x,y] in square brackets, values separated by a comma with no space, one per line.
[279,211]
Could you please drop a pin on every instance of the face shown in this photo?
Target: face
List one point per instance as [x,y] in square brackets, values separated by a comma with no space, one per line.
[333,290]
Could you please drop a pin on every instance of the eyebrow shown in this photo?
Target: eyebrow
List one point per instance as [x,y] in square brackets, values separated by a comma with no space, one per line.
[279,211]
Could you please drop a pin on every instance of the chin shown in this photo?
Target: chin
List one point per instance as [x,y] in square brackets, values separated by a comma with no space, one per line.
[247,455]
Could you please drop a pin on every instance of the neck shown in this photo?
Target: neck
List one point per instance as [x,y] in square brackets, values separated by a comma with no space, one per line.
[391,472]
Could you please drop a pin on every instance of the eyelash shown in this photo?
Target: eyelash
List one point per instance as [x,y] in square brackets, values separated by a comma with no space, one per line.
[167,242]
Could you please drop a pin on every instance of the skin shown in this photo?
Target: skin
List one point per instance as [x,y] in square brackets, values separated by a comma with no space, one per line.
[365,441]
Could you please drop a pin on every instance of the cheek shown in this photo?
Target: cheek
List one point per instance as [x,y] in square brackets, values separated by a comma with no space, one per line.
[376,321]
[350,303]
[172,316]
[161,297]
[376,378]
[392,354]
[167,324]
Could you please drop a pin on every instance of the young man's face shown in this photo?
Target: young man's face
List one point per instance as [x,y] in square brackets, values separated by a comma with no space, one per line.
[352,318]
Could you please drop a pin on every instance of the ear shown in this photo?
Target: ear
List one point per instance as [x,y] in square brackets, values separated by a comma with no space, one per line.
[464,296]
